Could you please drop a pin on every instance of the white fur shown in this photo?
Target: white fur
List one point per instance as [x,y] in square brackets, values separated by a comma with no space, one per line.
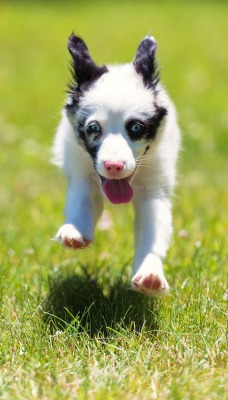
[115,97]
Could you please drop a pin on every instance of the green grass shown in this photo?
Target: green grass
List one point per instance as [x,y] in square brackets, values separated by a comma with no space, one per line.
[70,326]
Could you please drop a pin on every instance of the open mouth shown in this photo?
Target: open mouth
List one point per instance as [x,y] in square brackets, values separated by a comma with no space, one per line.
[118,191]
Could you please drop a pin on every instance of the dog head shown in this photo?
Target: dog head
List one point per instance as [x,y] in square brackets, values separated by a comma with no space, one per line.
[115,112]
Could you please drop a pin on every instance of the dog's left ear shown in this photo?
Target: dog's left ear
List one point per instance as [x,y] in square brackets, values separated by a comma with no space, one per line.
[144,61]
[84,68]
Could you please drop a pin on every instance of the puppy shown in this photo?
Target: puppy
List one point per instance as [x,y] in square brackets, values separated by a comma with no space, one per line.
[119,137]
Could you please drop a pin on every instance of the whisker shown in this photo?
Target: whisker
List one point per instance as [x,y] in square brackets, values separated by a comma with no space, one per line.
[145,157]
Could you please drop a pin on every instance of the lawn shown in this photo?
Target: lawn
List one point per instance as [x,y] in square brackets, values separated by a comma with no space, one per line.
[71,328]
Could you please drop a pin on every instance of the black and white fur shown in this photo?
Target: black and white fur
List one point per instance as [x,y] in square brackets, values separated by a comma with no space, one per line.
[119,123]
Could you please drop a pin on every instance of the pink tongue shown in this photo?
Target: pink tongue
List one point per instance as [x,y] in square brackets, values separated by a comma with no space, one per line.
[117,190]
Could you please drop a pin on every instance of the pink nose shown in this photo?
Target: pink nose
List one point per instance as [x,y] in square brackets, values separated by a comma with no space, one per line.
[114,167]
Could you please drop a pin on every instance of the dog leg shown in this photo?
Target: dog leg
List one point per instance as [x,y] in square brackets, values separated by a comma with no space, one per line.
[83,208]
[153,227]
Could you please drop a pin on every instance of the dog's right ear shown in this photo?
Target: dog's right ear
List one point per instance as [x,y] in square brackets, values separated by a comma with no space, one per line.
[85,71]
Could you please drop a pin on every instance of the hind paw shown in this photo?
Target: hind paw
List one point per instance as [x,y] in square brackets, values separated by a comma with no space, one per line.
[69,237]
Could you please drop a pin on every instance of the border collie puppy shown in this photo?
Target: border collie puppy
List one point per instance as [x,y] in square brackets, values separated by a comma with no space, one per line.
[119,137]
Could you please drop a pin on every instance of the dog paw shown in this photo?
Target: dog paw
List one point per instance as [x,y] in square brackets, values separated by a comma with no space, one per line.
[69,236]
[149,277]
[150,283]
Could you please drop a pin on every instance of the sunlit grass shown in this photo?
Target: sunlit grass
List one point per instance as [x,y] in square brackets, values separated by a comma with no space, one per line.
[70,325]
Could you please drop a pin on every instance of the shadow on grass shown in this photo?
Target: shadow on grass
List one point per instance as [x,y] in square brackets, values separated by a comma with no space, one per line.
[78,301]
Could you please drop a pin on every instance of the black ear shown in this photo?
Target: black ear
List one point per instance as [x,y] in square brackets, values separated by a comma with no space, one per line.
[144,62]
[84,68]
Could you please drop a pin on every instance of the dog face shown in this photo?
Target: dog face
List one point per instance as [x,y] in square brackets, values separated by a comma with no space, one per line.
[115,113]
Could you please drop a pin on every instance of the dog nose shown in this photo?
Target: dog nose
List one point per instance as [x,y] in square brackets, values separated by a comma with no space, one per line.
[114,167]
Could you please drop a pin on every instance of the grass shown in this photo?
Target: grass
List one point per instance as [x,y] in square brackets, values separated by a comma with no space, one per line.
[70,326]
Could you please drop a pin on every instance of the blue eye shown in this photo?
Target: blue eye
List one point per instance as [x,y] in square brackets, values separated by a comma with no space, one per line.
[135,128]
[93,127]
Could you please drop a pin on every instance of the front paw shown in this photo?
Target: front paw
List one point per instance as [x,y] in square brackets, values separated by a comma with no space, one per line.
[70,237]
[154,285]
[150,279]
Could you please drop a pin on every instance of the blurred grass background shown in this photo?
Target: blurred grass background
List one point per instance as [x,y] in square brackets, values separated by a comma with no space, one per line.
[193,55]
